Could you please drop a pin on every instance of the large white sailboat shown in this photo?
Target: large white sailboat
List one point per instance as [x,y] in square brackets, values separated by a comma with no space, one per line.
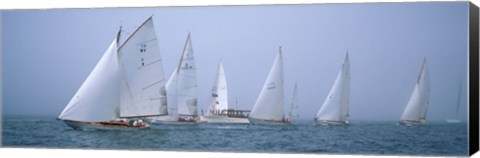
[416,110]
[181,90]
[335,107]
[269,107]
[456,119]
[219,111]
[126,83]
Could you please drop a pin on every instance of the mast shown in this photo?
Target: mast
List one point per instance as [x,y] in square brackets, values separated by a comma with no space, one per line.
[236,103]
[346,91]
[118,35]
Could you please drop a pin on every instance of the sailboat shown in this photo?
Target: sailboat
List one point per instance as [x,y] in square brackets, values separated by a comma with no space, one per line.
[456,119]
[294,107]
[181,90]
[416,110]
[126,85]
[269,107]
[219,112]
[335,107]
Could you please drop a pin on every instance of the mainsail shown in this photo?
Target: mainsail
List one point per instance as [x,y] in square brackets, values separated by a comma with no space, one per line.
[335,107]
[219,91]
[143,92]
[97,99]
[182,85]
[416,109]
[270,103]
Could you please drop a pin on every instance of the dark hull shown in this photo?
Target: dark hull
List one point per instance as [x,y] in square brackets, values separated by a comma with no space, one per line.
[102,125]
[268,122]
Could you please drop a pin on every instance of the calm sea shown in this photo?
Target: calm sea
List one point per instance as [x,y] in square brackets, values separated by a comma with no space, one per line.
[360,137]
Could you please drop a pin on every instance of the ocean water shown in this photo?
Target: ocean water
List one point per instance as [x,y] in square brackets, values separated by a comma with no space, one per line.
[360,137]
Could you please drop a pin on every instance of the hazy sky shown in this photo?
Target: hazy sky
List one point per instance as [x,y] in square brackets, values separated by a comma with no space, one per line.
[47,54]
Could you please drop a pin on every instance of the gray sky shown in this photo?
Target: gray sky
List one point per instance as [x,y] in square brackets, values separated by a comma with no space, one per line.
[49,53]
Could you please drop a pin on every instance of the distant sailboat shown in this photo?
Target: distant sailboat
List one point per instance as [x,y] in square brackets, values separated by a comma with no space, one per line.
[416,109]
[269,107]
[456,119]
[182,90]
[219,91]
[219,112]
[294,107]
[335,107]
[127,82]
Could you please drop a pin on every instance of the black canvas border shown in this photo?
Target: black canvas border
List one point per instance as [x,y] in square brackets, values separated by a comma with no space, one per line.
[473,79]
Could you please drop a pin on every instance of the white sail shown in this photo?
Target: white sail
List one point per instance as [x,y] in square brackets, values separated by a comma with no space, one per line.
[294,107]
[416,109]
[335,107]
[459,94]
[182,85]
[143,92]
[219,91]
[270,102]
[97,99]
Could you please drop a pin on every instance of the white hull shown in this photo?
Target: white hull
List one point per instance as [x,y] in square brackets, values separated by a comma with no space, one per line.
[172,120]
[411,122]
[99,126]
[328,122]
[453,121]
[180,122]
[223,119]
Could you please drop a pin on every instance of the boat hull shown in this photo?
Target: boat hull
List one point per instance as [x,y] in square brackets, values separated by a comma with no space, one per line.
[223,119]
[174,120]
[267,122]
[329,122]
[177,122]
[411,122]
[453,121]
[101,125]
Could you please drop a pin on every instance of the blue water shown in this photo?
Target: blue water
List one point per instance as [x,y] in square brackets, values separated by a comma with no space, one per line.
[360,137]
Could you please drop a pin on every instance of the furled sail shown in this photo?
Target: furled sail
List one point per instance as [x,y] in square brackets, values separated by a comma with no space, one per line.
[219,91]
[97,99]
[182,85]
[335,107]
[270,102]
[416,109]
[143,92]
